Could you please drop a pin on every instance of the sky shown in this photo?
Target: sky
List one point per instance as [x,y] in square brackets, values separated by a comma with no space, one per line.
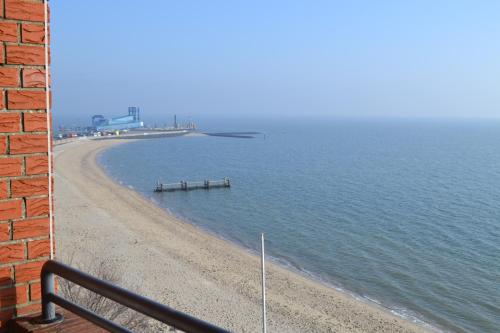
[276,58]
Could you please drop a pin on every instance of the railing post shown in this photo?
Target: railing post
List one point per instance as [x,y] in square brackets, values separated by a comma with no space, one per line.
[48,307]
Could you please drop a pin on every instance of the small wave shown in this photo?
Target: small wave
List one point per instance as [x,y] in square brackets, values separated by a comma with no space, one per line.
[414,318]
[373,300]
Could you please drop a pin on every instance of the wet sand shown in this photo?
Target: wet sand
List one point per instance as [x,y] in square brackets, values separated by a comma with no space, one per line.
[179,265]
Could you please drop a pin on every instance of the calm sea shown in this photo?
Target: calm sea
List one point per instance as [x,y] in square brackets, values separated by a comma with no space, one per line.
[403,213]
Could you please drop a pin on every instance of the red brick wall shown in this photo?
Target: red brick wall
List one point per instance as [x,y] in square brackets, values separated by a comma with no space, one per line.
[24,202]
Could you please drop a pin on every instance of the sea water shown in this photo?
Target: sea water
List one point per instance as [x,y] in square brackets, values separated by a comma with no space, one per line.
[400,212]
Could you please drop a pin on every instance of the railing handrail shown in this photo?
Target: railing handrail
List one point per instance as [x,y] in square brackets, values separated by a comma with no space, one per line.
[122,296]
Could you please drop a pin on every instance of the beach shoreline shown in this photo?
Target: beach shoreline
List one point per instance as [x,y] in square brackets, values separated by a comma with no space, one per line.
[224,282]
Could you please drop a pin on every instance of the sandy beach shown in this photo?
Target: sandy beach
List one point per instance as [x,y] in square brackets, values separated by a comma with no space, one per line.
[179,265]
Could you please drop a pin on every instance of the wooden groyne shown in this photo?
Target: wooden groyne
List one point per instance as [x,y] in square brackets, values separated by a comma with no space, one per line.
[187,186]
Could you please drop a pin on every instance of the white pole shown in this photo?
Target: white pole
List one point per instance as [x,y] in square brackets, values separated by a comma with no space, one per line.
[264,325]
[49,131]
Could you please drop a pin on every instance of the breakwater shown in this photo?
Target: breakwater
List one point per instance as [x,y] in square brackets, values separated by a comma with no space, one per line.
[239,135]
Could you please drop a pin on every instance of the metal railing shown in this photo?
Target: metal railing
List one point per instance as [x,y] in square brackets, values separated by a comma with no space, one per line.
[122,296]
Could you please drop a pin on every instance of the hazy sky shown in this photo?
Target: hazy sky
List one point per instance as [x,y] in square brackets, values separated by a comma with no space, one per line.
[349,58]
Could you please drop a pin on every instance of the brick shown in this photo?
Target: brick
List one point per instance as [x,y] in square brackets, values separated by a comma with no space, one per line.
[25,55]
[4,232]
[10,209]
[10,166]
[13,296]
[33,78]
[28,187]
[26,100]
[3,144]
[35,122]
[30,228]
[35,292]
[28,272]
[2,98]
[5,276]
[33,33]
[11,252]
[29,309]
[3,190]
[25,10]
[9,77]
[37,207]
[37,165]
[2,58]
[25,144]
[8,32]
[38,248]
[10,122]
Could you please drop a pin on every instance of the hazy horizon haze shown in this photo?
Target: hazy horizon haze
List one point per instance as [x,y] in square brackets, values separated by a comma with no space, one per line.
[322,59]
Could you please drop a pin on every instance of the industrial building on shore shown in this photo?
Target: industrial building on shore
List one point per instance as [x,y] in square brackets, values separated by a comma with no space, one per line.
[127,122]
[130,122]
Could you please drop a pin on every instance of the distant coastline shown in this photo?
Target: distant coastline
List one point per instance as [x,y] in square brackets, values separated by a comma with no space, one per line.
[158,134]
